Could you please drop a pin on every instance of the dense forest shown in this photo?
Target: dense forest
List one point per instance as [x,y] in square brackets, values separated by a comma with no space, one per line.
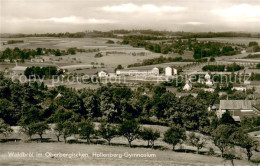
[42,72]
[201,49]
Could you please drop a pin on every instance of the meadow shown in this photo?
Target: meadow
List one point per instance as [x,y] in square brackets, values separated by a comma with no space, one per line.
[184,155]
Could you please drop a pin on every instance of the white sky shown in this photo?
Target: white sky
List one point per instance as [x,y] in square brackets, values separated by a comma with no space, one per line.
[41,16]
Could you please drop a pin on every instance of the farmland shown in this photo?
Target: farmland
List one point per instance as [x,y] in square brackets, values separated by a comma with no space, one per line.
[142,102]
[112,59]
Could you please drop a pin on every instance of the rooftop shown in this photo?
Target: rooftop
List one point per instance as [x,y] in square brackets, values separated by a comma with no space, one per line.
[236,104]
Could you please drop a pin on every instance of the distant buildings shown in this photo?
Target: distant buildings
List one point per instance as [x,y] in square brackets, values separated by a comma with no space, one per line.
[239,109]
[102,74]
[239,88]
[187,86]
[38,60]
[153,72]
[209,83]
[207,76]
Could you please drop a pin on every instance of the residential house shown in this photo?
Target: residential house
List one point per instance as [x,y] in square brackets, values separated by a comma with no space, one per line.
[239,109]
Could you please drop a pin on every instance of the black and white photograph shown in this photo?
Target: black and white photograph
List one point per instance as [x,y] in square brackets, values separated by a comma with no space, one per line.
[129,82]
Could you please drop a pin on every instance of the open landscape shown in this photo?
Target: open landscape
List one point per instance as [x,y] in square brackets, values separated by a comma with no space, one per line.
[132,83]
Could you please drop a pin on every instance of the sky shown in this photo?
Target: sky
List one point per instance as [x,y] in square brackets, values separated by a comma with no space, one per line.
[53,16]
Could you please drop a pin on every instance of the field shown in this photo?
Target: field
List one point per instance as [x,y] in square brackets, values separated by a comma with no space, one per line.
[122,53]
[166,157]
[184,155]
[113,54]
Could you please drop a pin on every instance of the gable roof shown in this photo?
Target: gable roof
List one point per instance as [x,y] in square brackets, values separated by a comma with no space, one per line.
[236,104]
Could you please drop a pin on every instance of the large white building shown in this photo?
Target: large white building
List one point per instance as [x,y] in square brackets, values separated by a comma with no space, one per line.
[170,71]
[153,72]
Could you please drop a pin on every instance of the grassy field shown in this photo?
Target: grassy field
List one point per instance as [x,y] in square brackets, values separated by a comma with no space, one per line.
[118,54]
[184,154]
[156,157]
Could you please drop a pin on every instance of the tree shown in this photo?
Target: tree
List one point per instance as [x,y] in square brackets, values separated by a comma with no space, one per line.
[28,130]
[129,129]
[252,43]
[98,55]
[58,130]
[29,120]
[39,51]
[61,117]
[221,137]
[150,136]
[57,53]
[212,59]
[119,67]
[243,140]
[230,157]
[108,131]
[110,42]
[197,141]
[39,128]
[68,130]
[174,135]
[4,128]
[86,129]
[227,119]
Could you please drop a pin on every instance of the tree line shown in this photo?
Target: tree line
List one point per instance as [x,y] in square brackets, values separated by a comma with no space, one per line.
[42,72]
[229,68]
[161,59]
[13,42]
[24,54]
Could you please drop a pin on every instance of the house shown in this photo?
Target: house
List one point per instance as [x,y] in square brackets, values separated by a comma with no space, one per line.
[201,81]
[39,60]
[102,74]
[209,82]
[179,95]
[239,88]
[239,109]
[208,89]
[243,51]
[207,76]
[187,86]
[175,71]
